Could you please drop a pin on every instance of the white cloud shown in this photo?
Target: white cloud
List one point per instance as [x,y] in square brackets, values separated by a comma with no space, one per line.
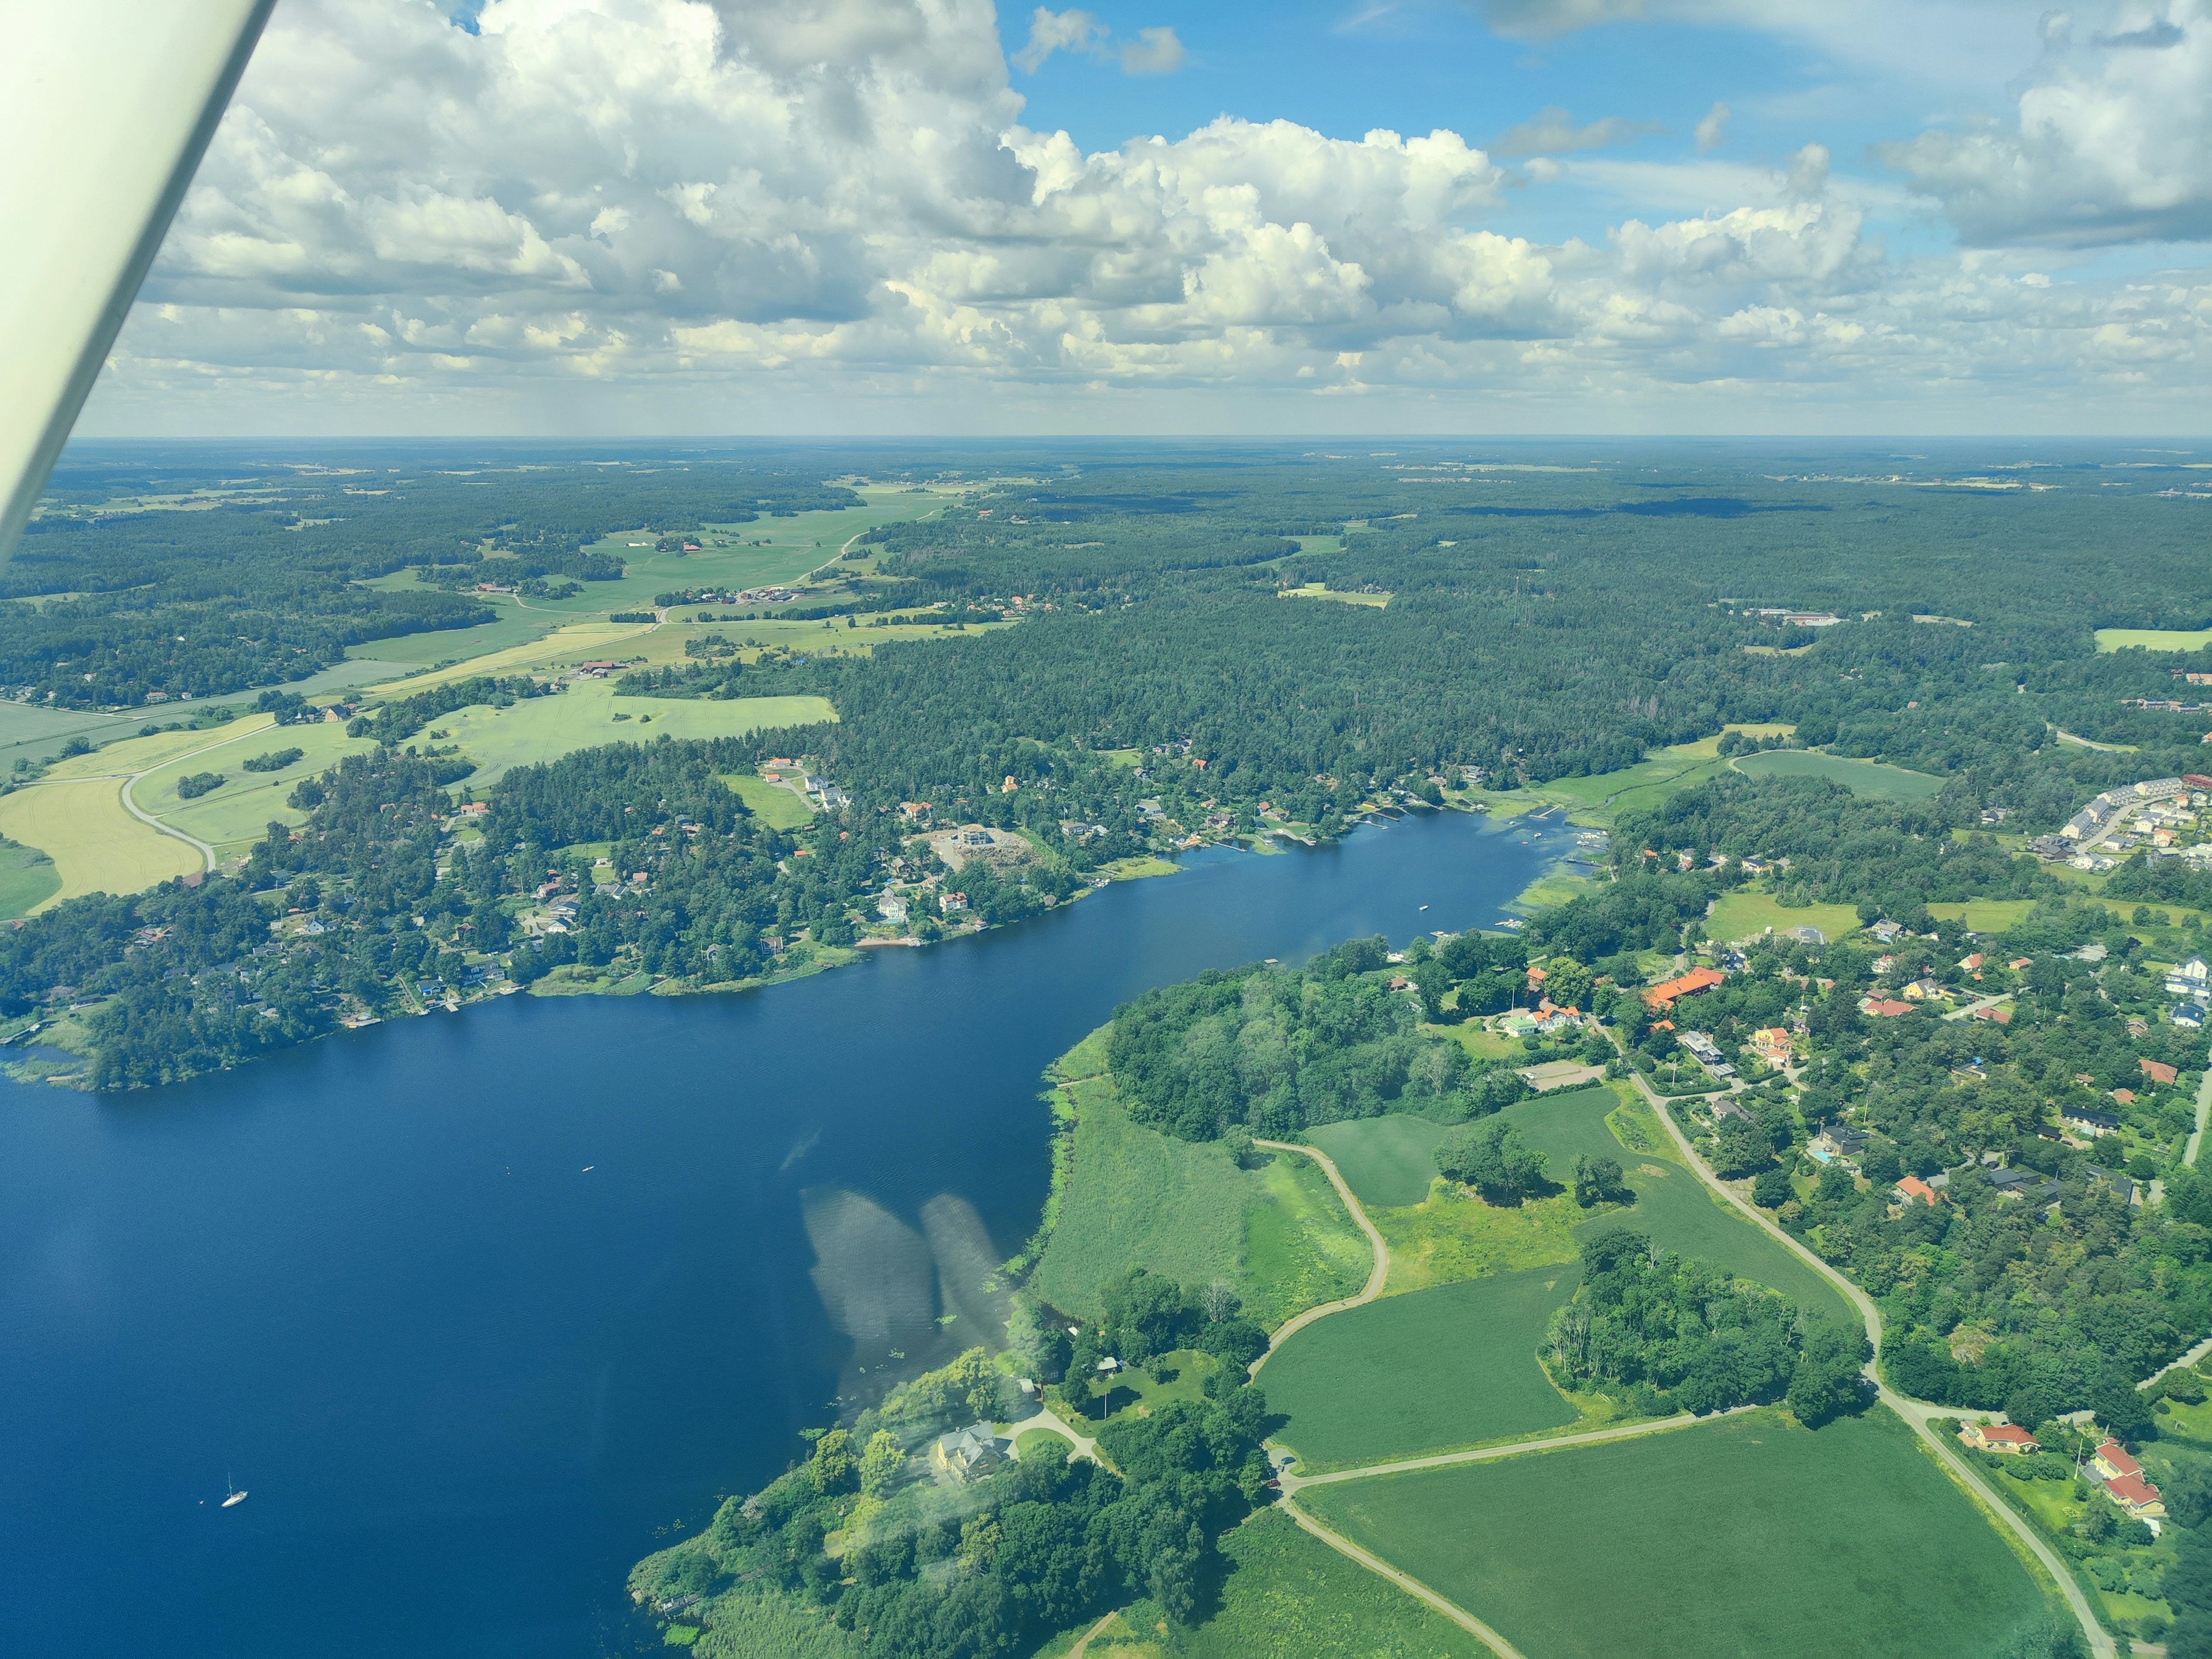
[671,211]
[1058,31]
[1554,132]
[1710,130]
[1154,51]
[2109,143]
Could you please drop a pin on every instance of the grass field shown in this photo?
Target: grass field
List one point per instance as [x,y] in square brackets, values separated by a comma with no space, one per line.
[36,734]
[773,804]
[233,817]
[2151,639]
[1453,1236]
[664,646]
[1316,591]
[1741,913]
[97,846]
[563,646]
[1985,915]
[1749,1535]
[1671,1205]
[1861,777]
[1384,1160]
[587,714]
[1137,1198]
[27,879]
[1449,1367]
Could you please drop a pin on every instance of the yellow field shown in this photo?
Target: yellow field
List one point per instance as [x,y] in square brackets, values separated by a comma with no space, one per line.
[664,646]
[1316,591]
[97,846]
[2151,639]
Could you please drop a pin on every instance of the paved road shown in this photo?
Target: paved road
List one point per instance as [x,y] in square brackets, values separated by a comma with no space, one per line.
[129,779]
[2203,1110]
[1916,1413]
[1978,1004]
[1379,1272]
[1046,1418]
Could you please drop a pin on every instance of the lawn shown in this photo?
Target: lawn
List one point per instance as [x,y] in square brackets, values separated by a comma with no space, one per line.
[1384,1160]
[1742,912]
[1445,1368]
[588,714]
[97,846]
[1861,777]
[1985,915]
[1672,1205]
[771,803]
[2151,639]
[1749,1536]
[27,879]
[1137,1198]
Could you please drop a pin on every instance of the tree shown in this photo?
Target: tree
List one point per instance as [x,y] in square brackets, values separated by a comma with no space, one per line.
[881,1463]
[1770,1189]
[1829,1379]
[1492,1157]
[1598,1181]
[1740,1147]
[1567,982]
[831,1467]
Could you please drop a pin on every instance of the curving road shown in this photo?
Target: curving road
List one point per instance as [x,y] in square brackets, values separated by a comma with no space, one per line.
[1375,1276]
[1915,1412]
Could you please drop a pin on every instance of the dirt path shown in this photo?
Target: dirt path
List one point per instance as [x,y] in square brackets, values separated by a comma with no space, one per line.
[1915,1412]
[1293,1484]
[1375,1276]
[1413,1586]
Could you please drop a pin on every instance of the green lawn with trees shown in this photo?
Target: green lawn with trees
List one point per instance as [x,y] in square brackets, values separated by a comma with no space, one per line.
[1746,1536]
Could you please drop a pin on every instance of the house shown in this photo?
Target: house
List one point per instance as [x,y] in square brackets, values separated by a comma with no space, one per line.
[2124,1185]
[1837,1141]
[1887,932]
[1808,935]
[2188,1015]
[1725,1109]
[967,1454]
[2088,1122]
[2159,1072]
[892,906]
[1518,1024]
[950,901]
[1773,1045]
[2139,1498]
[2000,1438]
[2024,1184]
[1665,995]
[1923,990]
[2189,979]
[1883,1008]
[2126,1097]
[1971,963]
[1913,1188]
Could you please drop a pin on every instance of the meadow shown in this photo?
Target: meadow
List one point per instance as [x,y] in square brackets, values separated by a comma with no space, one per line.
[1388,1161]
[1276,1235]
[1744,912]
[97,846]
[771,803]
[1442,1368]
[1861,777]
[29,733]
[1599,797]
[1745,1535]
[27,879]
[1284,1594]
[1985,915]
[2151,639]
[233,817]
[1316,591]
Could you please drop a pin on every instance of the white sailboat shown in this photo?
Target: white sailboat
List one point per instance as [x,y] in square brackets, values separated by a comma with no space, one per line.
[236,1495]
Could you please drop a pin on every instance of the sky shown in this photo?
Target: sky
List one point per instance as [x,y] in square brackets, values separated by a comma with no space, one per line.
[844,217]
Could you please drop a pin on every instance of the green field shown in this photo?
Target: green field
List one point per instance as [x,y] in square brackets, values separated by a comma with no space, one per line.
[239,813]
[1599,797]
[39,734]
[1742,912]
[1744,1536]
[1316,591]
[537,729]
[1384,1160]
[97,846]
[1859,777]
[27,879]
[771,803]
[1277,1234]
[2151,639]
[1672,1205]
[1987,915]
[1444,1368]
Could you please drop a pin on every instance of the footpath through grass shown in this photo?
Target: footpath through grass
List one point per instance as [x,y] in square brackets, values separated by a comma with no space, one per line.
[1749,1536]
[1450,1367]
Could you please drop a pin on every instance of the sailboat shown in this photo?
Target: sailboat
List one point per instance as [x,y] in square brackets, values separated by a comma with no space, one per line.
[237,1496]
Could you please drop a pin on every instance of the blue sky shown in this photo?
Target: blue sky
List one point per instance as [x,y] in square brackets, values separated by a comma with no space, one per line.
[825,216]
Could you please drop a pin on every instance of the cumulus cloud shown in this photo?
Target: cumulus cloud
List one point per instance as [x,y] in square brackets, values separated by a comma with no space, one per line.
[709,204]
[2109,143]
[1554,133]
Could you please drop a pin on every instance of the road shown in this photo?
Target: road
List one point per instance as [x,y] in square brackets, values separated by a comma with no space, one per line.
[1294,1484]
[2203,1110]
[1375,1276]
[1978,1004]
[1916,1413]
[130,778]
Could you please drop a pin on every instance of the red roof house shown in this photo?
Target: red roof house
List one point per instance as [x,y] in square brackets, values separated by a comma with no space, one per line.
[2003,1438]
[1697,979]
[1913,1187]
[2159,1072]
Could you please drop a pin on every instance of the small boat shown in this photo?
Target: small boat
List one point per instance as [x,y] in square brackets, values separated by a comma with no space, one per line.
[236,1496]
[1424,906]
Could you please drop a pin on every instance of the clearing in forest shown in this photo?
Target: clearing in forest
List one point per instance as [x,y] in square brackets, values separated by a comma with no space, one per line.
[1861,777]
[589,713]
[1741,913]
[1434,1371]
[1747,1535]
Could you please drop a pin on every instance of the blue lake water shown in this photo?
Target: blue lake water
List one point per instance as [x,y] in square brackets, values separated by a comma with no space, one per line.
[465,1379]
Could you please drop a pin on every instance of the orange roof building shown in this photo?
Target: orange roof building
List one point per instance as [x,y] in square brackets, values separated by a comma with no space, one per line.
[1913,1187]
[1697,979]
[2159,1072]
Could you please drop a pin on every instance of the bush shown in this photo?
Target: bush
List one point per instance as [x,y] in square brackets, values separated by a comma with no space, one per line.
[275,761]
[1493,1158]
[193,785]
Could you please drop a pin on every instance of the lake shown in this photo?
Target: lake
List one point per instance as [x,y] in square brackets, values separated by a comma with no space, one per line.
[481,1307]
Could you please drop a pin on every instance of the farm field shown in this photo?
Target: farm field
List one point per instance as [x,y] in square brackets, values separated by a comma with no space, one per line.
[1444,1368]
[1139,1198]
[2151,639]
[1740,914]
[773,804]
[1859,777]
[1288,1596]
[1384,1160]
[1852,1541]
[1985,915]
[238,814]
[567,645]
[1316,591]
[1671,1205]
[1598,798]
[36,734]
[536,729]
[664,646]
[27,879]
[519,622]
[97,846]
